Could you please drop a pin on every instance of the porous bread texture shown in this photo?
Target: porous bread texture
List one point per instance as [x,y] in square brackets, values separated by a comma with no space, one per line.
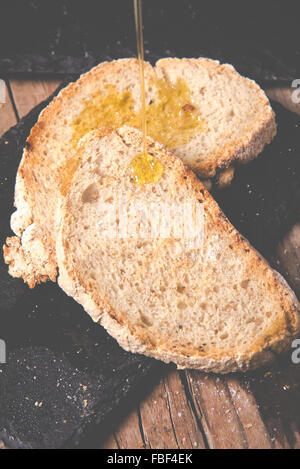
[238,123]
[216,307]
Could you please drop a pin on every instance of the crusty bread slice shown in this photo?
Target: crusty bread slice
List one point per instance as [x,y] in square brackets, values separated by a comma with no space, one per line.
[238,118]
[237,122]
[215,304]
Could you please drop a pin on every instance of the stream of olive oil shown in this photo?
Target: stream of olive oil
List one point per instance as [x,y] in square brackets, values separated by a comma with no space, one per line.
[144,168]
[138,17]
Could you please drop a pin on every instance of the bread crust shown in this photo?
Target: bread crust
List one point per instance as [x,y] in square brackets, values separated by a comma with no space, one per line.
[31,254]
[275,341]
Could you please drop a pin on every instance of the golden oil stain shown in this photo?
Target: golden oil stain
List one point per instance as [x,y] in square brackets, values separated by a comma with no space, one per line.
[104,109]
[172,118]
[146,169]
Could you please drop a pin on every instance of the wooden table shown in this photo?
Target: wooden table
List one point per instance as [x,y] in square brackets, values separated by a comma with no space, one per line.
[189,409]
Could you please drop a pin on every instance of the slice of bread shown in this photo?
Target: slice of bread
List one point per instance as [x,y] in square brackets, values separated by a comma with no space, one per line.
[237,122]
[202,298]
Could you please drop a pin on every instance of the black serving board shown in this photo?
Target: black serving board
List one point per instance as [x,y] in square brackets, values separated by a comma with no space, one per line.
[65,374]
[260,38]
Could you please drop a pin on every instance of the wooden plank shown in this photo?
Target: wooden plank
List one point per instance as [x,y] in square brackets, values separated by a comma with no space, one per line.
[187,430]
[230,414]
[247,409]
[7,115]
[167,418]
[156,420]
[216,411]
[128,434]
[110,443]
[28,94]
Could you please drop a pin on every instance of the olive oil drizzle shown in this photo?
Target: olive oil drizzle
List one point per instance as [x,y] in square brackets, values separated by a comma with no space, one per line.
[144,168]
[138,16]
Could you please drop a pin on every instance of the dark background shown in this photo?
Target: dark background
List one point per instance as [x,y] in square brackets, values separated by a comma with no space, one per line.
[261,38]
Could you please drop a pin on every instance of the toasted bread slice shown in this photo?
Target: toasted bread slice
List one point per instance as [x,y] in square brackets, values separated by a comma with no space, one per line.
[202,298]
[236,122]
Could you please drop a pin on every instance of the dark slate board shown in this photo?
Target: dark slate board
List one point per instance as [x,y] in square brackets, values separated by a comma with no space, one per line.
[261,38]
[54,348]
[57,356]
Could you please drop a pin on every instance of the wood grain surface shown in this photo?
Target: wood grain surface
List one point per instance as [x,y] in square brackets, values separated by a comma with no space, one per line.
[189,409]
